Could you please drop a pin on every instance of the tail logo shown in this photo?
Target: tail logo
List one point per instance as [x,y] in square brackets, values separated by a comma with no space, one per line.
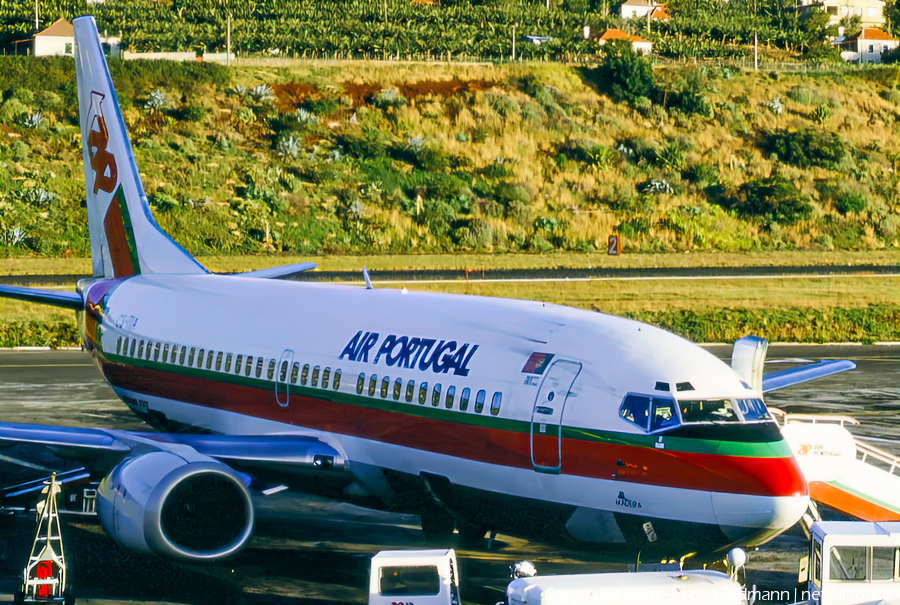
[103,162]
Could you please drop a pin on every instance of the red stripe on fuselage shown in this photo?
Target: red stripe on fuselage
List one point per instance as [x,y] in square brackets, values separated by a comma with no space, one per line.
[625,463]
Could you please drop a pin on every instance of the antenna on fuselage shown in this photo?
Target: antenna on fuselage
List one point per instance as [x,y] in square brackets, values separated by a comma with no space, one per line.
[366,278]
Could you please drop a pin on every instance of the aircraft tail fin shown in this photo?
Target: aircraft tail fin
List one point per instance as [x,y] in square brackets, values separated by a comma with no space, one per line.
[125,239]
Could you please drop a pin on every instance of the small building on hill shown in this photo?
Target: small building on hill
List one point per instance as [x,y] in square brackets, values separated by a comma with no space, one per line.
[870,12]
[638,9]
[59,40]
[866,47]
[638,44]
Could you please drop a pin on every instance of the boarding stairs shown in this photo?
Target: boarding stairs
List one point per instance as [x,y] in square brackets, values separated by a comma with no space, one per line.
[844,472]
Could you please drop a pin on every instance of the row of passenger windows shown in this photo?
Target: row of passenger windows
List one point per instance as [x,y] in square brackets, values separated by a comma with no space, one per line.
[222,362]
[397,390]
[200,358]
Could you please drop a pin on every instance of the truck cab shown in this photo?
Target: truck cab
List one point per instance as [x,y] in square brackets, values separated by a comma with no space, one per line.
[854,562]
[414,577]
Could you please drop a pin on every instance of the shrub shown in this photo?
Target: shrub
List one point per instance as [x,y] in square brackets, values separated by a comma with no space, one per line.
[671,157]
[625,74]
[807,148]
[192,113]
[848,202]
[389,98]
[703,175]
[821,114]
[691,99]
[774,199]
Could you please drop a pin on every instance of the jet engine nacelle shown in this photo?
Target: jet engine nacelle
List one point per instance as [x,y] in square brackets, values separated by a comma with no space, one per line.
[160,503]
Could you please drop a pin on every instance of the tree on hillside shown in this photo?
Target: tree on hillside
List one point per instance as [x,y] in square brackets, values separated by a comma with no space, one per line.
[623,73]
[892,15]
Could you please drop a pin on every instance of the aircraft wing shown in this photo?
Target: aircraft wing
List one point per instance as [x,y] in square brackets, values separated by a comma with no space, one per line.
[253,454]
[278,272]
[772,381]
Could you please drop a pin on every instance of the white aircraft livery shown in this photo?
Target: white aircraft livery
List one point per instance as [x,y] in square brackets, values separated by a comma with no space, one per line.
[535,420]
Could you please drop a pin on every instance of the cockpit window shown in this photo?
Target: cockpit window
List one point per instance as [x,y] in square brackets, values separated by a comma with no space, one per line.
[753,409]
[636,409]
[664,414]
[707,410]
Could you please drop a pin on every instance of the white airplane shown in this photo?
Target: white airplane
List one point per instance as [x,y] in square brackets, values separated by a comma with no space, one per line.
[535,420]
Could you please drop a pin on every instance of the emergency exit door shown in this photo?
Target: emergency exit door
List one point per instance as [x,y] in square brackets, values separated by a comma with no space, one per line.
[546,418]
[282,386]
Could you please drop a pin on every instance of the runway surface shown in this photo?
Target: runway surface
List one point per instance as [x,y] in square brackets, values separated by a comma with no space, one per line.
[312,550]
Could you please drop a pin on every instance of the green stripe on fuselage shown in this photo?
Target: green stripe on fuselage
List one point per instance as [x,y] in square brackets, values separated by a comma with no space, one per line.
[773,449]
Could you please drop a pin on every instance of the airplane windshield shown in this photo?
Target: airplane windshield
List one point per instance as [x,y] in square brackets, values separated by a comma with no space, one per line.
[707,410]
[753,409]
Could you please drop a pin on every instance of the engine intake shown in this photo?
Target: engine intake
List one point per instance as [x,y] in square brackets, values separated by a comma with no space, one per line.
[160,503]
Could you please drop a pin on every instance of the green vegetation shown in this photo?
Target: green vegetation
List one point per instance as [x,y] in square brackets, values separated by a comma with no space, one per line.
[450,28]
[386,159]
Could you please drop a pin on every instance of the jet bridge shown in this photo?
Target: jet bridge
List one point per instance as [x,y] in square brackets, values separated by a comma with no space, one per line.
[844,472]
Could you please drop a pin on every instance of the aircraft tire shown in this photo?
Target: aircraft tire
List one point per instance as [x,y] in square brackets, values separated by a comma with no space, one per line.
[438,527]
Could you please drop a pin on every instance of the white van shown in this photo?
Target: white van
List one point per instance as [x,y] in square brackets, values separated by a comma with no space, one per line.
[854,562]
[414,577]
[683,587]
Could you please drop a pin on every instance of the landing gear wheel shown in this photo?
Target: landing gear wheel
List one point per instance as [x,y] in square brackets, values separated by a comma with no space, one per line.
[438,527]
[19,598]
[471,536]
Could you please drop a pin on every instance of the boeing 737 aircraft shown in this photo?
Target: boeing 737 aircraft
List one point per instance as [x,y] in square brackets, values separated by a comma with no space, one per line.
[535,420]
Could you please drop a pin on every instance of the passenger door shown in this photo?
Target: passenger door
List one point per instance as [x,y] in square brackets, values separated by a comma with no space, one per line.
[282,386]
[546,418]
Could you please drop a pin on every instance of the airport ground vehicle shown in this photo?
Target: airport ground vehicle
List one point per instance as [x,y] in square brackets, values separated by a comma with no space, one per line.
[853,562]
[414,577]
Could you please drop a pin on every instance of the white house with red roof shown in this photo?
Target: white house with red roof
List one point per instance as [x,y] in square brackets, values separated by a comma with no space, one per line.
[59,40]
[639,9]
[638,44]
[866,47]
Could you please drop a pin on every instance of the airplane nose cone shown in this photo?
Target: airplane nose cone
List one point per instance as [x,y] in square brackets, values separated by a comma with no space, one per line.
[778,498]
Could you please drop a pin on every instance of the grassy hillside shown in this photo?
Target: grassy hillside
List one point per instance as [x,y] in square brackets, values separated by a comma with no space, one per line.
[327,158]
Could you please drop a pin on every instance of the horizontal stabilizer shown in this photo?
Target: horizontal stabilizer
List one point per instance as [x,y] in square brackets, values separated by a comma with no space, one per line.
[276,272]
[786,378]
[68,300]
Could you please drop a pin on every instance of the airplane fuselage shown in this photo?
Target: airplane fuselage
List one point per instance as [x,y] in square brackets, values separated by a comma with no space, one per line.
[514,415]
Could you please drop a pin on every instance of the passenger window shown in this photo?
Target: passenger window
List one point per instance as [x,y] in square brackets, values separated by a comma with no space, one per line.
[636,409]
[200,355]
[423,392]
[125,346]
[883,562]
[373,382]
[337,380]
[451,391]
[165,354]
[118,345]
[191,356]
[237,364]
[495,404]
[218,361]
[398,389]
[133,345]
[848,563]
[464,400]
[304,374]
[149,349]
[248,367]
[181,357]
[174,357]
[410,390]
[156,352]
[270,374]
[228,363]
[360,383]
[141,350]
[664,415]
[315,377]
[385,383]
[326,374]
[259,366]
[436,395]
[479,402]
[295,371]
[282,374]
[209,359]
